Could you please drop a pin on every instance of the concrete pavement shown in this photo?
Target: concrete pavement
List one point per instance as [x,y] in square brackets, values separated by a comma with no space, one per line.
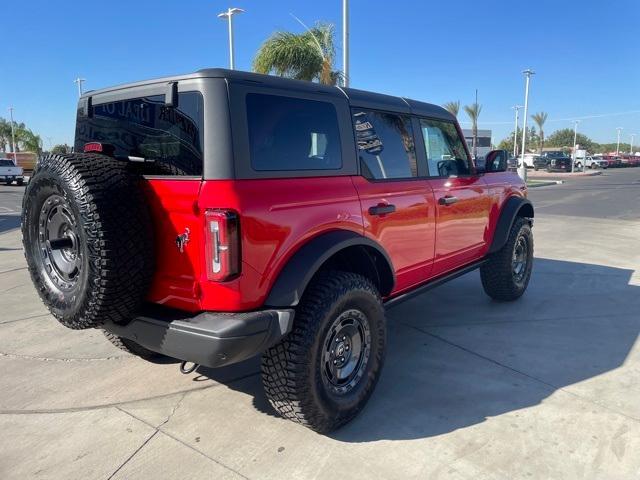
[546,387]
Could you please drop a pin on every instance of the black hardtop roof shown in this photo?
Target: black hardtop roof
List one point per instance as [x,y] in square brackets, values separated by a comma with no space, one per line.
[356,97]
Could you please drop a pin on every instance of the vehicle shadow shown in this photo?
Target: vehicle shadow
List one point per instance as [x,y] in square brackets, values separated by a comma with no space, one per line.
[9,222]
[455,358]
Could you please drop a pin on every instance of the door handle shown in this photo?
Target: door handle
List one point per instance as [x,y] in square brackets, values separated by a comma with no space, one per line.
[448,200]
[382,209]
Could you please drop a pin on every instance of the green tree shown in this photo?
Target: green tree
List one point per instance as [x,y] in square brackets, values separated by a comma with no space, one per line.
[5,134]
[304,56]
[452,107]
[563,138]
[27,140]
[473,111]
[540,118]
[61,148]
[507,143]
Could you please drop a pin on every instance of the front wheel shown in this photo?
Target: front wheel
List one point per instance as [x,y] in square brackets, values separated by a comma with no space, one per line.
[322,374]
[506,274]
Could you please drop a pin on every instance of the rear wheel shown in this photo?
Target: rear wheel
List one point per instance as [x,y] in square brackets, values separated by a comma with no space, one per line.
[506,274]
[87,239]
[322,374]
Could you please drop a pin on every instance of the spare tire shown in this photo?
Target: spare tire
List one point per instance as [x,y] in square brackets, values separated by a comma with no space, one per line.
[88,240]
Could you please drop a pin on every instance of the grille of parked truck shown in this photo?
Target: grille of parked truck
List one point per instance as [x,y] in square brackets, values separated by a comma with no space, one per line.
[219,215]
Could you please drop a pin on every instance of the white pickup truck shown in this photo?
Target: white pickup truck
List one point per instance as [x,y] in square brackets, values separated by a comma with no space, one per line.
[9,172]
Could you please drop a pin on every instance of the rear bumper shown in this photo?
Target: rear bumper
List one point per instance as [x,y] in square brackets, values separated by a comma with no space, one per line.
[212,339]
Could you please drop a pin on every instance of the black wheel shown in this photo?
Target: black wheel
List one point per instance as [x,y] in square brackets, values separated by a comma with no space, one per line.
[132,347]
[506,274]
[20,182]
[87,239]
[322,374]
[8,182]
[535,169]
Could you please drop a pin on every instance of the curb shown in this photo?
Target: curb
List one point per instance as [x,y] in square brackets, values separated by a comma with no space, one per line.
[546,184]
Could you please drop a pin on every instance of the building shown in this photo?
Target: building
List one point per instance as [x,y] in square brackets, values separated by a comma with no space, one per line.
[483,144]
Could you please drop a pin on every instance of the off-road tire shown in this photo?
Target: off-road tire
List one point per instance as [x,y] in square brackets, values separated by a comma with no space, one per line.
[497,274]
[113,238]
[292,369]
[132,347]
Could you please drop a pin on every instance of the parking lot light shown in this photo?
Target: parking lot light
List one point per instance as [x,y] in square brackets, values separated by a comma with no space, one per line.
[619,129]
[633,135]
[13,136]
[228,15]
[522,169]
[515,132]
[79,81]
[575,138]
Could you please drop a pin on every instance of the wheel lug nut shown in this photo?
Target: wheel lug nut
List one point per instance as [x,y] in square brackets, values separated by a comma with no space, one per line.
[344,338]
[335,362]
[347,347]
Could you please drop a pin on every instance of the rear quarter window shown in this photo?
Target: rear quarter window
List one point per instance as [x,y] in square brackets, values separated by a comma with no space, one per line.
[170,137]
[288,134]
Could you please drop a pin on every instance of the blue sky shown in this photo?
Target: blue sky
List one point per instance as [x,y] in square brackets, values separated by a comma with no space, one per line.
[586,54]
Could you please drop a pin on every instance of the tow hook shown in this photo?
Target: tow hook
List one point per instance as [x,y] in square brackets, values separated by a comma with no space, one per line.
[191,369]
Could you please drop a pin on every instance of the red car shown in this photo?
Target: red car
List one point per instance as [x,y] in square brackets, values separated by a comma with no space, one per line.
[220,215]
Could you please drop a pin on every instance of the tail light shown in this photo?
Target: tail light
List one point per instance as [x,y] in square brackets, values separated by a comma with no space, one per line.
[222,244]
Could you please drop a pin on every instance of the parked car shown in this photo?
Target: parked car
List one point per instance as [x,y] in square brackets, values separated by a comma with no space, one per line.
[540,163]
[595,162]
[302,212]
[613,161]
[528,159]
[559,164]
[10,173]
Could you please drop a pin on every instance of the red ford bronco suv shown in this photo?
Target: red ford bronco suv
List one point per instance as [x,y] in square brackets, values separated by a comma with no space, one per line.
[219,215]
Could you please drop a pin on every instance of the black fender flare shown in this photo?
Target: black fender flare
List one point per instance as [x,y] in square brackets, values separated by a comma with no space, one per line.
[514,207]
[305,263]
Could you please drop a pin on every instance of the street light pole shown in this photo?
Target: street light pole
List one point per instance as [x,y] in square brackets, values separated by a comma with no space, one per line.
[228,15]
[575,138]
[619,129]
[13,136]
[345,41]
[633,135]
[79,81]
[515,132]
[522,169]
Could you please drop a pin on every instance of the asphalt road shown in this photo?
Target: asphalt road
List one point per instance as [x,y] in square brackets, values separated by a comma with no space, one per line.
[613,194]
[546,387]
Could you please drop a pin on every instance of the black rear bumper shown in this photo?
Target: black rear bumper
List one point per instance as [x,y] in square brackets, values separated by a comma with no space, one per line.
[212,339]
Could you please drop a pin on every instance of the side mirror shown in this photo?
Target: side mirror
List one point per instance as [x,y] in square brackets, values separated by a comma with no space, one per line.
[496,161]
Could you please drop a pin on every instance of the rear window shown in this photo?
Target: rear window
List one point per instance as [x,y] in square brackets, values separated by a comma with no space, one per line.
[171,137]
[292,134]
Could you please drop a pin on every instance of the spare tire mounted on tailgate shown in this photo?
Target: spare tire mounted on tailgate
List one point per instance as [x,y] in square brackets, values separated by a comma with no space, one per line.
[87,238]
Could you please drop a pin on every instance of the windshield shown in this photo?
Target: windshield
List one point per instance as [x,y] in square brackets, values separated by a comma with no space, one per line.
[6,163]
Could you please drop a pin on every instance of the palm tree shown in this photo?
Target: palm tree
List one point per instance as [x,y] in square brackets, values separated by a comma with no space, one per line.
[473,111]
[305,56]
[540,118]
[452,107]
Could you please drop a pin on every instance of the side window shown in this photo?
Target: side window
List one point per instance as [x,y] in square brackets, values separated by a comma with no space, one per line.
[446,155]
[385,144]
[171,137]
[292,134]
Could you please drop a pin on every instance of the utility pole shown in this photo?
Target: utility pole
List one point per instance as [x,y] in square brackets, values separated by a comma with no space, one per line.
[345,41]
[515,132]
[229,16]
[522,169]
[633,135]
[79,81]
[13,136]
[619,129]
[575,138]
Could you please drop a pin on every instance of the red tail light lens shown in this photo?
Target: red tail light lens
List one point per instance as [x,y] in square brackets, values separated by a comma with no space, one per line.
[222,244]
